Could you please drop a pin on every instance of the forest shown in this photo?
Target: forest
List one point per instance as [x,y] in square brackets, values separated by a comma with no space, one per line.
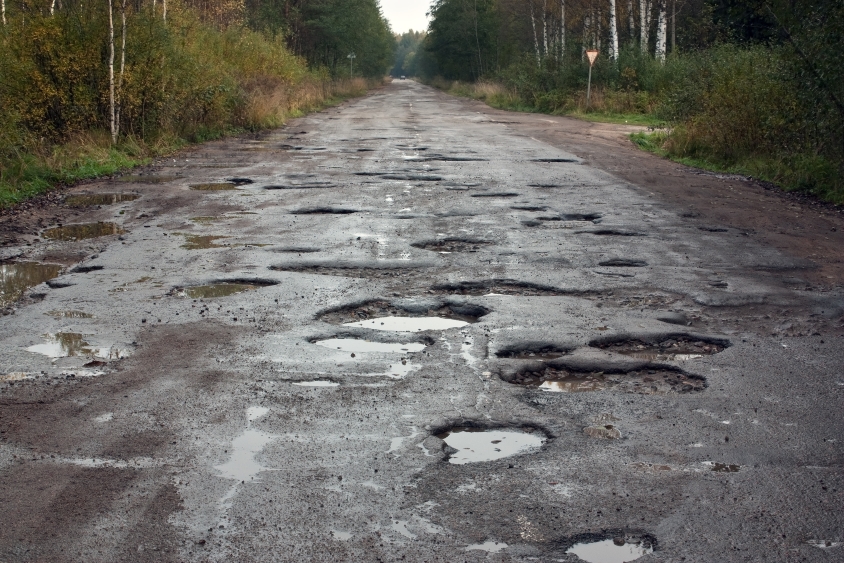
[752,87]
[93,86]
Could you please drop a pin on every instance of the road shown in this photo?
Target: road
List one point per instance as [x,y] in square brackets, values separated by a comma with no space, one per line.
[412,328]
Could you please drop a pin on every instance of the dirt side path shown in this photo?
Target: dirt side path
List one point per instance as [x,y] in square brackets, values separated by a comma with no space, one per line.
[793,223]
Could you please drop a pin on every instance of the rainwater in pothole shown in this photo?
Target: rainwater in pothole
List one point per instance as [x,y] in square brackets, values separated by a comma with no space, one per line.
[540,353]
[221,186]
[70,315]
[201,242]
[223,289]
[71,344]
[317,383]
[137,179]
[356,345]
[498,287]
[724,467]
[86,200]
[242,465]
[617,550]
[452,245]
[476,445]
[17,277]
[82,231]
[408,324]
[383,315]
[644,381]
[677,348]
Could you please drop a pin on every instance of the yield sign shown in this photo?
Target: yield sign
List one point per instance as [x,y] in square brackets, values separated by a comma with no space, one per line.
[592,54]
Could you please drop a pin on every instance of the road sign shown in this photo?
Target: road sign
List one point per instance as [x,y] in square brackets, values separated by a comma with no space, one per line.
[592,54]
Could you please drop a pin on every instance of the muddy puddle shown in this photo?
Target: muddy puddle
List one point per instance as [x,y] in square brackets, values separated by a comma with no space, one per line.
[382,315]
[317,383]
[658,381]
[675,348]
[452,245]
[82,231]
[356,345]
[724,467]
[612,550]
[540,353]
[571,217]
[623,263]
[70,315]
[17,277]
[324,211]
[497,287]
[496,194]
[87,200]
[348,271]
[201,242]
[475,445]
[71,344]
[220,289]
[220,186]
[138,179]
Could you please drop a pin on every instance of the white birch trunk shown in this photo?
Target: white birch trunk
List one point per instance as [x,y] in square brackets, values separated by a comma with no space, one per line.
[562,29]
[545,26]
[164,7]
[111,105]
[644,24]
[3,9]
[661,32]
[535,36]
[53,7]
[613,33]
[122,67]
[631,20]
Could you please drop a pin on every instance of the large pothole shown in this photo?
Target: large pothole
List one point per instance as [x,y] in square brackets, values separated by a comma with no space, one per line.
[648,380]
[468,444]
[222,288]
[611,547]
[498,287]
[89,200]
[677,347]
[386,270]
[83,231]
[452,245]
[407,316]
[17,277]
[540,352]
[324,211]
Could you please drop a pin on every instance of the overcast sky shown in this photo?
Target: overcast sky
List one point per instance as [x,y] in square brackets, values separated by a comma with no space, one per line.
[406,14]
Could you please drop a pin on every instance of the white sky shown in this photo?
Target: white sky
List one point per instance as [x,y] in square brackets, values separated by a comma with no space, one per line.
[406,14]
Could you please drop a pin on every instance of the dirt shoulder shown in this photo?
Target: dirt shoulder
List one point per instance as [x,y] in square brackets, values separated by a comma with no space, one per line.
[793,223]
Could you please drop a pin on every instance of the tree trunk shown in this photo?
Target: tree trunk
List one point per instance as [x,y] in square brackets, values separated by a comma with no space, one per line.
[164,7]
[631,21]
[478,42]
[644,24]
[613,33]
[662,24]
[111,106]
[3,10]
[545,26]
[673,25]
[562,29]
[122,67]
[535,36]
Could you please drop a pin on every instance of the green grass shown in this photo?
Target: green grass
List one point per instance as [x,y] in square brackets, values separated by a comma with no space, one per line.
[643,119]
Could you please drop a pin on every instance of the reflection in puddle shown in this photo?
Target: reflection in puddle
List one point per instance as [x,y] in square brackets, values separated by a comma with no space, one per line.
[17,277]
[242,465]
[644,381]
[215,290]
[678,348]
[214,187]
[488,546]
[85,200]
[317,383]
[70,315]
[69,344]
[357,345]
[725,467]
[573,384]
[341,536]
[83,231]
[616,550]
[408,324]
[137,179]
[538,353]
[199,242]
[475,445]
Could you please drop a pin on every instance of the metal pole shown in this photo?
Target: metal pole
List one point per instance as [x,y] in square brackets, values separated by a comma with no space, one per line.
[589,87]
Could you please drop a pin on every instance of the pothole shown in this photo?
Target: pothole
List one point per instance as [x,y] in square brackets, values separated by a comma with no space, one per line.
[476,445]
[139,179]
[70,315]
[621,548]
[297,249]
[86,269]
[670,348]
[82,231]
[383,315]
[541,353]
[544,186]
[70,344]
[496,194]
[655,381]
[724,467]
[201,242]
[317,383]
[17,277]
[498,287]
[530,207]
[240,181]
[572,217]
[452,245]
[552,160]
[220,186]
[350,271]
[86,200]
[612,233]
[301,186]
[221,289]
[324,211]
[623,263]
[358,345]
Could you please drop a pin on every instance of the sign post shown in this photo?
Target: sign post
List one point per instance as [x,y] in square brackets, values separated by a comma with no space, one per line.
[351,57]
[592,55]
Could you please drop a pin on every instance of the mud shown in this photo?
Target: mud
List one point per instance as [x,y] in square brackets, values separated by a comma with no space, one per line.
[499,287]
[670,348]
[655,381]
[220,186]
[452,245]
[86,200]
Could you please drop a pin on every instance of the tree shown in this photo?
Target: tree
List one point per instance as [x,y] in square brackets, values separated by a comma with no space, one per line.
[613,33]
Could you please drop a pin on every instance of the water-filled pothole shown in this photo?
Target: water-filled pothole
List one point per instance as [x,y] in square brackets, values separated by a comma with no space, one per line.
[317,383]
[496,194]
[351,271]
[83,231]
[498,287]
[725,467]
[201,242]
[221,289]
[383,315]
[357,345]
[69,344]
[572,217]
[70,315]
[139,179]
[240,181]
[541,352]
[669,348]
[475,445]
[622,548]
[323,211]
[86,269]
[219,186]
[452,245]
[86,200]
[297,249]
[612,233]
[552,160]
[623,263]
[647,381]
[530,207]
[301,186]
[17,277]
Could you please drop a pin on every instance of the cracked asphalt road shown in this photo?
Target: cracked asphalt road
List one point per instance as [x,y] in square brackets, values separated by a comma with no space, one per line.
[211,381]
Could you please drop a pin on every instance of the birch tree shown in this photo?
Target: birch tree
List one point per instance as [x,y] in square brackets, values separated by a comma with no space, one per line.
[3,9]
[661,32]
[111,100]
[545,26]
[562,29]
[535,36]
[122,69]
[644,24]
[631,21]
[613,33]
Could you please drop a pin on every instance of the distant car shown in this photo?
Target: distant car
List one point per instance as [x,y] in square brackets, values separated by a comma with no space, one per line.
[402,77]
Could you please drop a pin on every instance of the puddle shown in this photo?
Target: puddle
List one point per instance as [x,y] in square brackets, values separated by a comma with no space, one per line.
[85,200]
[363,346]
[137,179]
[572,217]
[476,445]
[551,160]
[488,546]
[499,287]
[496,194]
[452,245]
[623,263]
[303,186]
[644,381]
[676,348]
[221,289]
[616,550]
[240,181]
[70,344]
[202,242]
[824,544]
[533,353]
[242,466]
[530,207]
[317,383]
[350,271]
[411,177]
[17,277]
[83,231]
[408,324]
[214,187]
[324,211]
[70,315]
[725,467]
[206,220]
[612,232]
[298,249]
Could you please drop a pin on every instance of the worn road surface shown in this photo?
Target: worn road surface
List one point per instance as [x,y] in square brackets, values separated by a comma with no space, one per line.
[412,328]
